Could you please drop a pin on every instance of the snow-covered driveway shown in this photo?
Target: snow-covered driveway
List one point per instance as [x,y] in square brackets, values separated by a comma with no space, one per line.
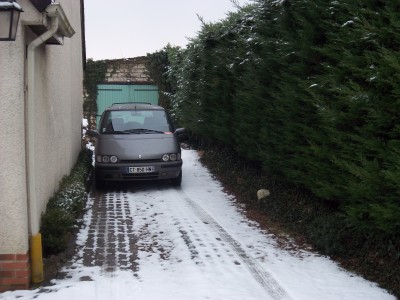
[191,243]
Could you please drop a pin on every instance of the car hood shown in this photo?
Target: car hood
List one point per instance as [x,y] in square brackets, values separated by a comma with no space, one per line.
[131,146]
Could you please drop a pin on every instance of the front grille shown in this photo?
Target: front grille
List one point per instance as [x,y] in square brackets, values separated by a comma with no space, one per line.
[139,161]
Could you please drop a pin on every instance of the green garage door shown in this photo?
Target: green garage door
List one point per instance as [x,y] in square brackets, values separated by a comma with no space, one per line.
[122,93]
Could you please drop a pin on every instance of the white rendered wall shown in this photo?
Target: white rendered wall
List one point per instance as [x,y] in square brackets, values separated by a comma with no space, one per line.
[13,204]
[58,115]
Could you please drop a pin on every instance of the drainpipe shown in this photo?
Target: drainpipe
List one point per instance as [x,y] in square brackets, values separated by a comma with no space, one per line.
[36,238]
[60,27]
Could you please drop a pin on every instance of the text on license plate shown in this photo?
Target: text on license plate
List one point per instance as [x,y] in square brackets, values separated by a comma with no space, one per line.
[147,169]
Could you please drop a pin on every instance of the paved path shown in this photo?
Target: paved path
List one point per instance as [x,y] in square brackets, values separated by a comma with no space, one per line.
[154,241]
[111,242]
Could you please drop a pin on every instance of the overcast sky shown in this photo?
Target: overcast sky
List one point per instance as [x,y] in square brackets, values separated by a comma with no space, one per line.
[130,28]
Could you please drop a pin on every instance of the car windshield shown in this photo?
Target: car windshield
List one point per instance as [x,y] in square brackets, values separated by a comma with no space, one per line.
[135,122]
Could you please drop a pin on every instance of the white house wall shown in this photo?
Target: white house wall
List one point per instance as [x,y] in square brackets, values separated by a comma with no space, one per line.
[13,203]
[58,111]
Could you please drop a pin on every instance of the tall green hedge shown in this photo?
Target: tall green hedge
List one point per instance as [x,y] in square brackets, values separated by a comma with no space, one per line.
[311,90]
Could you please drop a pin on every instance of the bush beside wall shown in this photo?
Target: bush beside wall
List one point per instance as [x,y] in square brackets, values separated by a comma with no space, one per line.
[65,209]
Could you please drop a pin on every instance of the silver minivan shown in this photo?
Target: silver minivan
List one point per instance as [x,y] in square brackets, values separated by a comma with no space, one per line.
[137,141]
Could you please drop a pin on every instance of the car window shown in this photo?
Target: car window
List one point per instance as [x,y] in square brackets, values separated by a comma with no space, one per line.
[128,120]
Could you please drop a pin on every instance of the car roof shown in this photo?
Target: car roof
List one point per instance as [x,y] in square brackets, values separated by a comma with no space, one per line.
[134,106]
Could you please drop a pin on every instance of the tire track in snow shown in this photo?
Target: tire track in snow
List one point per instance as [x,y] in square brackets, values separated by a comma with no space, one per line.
[263,277]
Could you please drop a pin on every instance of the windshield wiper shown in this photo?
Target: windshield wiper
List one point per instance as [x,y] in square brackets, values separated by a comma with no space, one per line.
[142,130]
[116,132]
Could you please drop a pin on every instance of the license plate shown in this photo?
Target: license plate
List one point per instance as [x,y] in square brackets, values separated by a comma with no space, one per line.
[135,170]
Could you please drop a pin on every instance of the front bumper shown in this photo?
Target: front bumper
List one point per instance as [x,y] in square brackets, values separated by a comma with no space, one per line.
[119,172]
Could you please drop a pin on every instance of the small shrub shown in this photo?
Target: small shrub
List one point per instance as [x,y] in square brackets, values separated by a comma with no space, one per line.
[70,199]
[65,207]
[56,224]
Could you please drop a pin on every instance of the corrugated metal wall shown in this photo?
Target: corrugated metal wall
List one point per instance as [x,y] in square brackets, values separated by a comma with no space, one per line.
[122,93]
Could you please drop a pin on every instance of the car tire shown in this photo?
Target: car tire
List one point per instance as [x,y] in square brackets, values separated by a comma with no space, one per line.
[177,181]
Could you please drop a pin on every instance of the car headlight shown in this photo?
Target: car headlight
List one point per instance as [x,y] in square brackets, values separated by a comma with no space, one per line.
[170,157]
[106,159]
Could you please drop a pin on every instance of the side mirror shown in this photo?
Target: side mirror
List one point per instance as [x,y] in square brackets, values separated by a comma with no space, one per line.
[180,133]
[93,133]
